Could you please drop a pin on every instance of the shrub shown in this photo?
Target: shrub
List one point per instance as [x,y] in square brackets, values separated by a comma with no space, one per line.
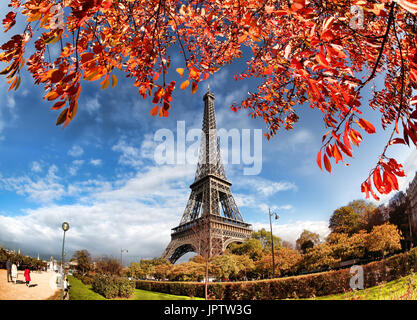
[125,287]
[104,285]
[86,279]
[305,286]
[110,287]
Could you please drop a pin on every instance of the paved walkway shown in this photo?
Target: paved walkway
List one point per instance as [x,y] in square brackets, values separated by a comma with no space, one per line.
[42,286]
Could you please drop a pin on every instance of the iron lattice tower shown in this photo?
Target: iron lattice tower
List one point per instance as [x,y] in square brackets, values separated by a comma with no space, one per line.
[211,219]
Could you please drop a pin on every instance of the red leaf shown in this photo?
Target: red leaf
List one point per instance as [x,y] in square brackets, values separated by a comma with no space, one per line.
[344,149]
[319,160]
[366,125]
[336,153]
[58,105]
[327,164]
[396,140]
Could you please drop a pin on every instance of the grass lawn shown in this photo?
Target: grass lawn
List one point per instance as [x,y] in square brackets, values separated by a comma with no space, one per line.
[400,289]
[80,291]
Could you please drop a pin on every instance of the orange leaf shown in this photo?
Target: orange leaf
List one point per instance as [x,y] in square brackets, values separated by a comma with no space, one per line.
[184,85]
[56,75]
[154,111]
[180,71]
[336,153]
[105,82]
[62,117]
[114,80]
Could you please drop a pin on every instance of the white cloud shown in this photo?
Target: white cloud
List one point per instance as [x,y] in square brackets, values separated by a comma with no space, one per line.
[11,102]
[75,166]
[135,213]
[36,166]
[41,190]
[92,105]
[291,231]
[265,187]
[130,155]
[96,162]
[76,151]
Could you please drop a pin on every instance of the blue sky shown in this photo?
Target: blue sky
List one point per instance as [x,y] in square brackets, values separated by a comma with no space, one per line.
[99,173]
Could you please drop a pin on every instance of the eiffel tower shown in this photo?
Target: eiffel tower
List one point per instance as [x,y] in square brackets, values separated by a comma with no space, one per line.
[211,219]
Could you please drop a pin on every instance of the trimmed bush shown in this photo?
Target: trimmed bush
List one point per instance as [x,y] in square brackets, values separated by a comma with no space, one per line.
[125,287]
[305,286]
[112,287]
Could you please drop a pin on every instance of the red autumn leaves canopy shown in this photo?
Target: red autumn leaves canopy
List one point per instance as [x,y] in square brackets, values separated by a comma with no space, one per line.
[304,52]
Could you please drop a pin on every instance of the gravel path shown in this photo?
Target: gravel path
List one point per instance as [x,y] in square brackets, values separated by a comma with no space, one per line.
[42,286]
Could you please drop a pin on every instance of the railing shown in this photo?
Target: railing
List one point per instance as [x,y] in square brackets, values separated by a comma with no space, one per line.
[190,224]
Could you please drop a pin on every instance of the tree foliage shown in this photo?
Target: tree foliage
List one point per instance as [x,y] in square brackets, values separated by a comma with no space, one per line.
[384,239]
[83,258]
[265,238]
[306,240]
[108,266]
[356,215]
[303,51]
[251,247]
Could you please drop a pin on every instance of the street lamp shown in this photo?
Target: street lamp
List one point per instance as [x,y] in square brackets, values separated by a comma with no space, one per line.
[121,257]
[272,240]
[65,227]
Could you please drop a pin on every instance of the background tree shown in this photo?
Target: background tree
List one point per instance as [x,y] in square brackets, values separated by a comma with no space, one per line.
[83,259]
[384,239]
[163,271]
[301,52]
[251,247]
[345,220]
[399,216]
[286,263]
[376,218]
[306,240]
[356,215]
[265,239]
[188,271]
[109,266]
[319,258]
[345,247]
[224,266]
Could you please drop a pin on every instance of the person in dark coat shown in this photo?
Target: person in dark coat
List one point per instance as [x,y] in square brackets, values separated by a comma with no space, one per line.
[9,270]
[27,276]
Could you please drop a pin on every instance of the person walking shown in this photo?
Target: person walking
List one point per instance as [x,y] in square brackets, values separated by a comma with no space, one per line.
[66,288]
[9,270]
[27,276]
[14,273]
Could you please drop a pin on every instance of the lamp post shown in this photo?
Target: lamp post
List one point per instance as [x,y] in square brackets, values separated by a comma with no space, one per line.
[65,227]
[272,240]
[121,257]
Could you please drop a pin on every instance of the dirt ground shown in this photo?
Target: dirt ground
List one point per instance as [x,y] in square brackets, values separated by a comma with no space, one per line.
[42,286]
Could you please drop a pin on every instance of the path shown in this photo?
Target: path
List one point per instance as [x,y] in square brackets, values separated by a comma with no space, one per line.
[43,285]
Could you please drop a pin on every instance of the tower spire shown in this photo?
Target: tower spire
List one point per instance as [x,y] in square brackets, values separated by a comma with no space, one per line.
[209,160]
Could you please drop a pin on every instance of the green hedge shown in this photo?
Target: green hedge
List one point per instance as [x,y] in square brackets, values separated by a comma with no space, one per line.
[305,286]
